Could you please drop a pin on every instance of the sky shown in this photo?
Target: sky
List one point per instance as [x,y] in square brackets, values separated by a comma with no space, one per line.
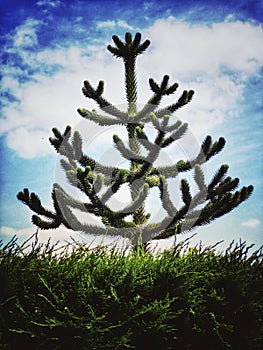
[49,47]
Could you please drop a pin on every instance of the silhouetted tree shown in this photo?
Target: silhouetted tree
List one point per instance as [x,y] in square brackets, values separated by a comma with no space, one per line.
[99,182]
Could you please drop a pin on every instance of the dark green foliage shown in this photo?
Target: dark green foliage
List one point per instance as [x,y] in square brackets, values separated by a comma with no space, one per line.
[100,183]
[98,299]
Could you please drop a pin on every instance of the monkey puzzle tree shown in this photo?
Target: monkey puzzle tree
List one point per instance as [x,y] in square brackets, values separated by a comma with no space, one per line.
[100,183]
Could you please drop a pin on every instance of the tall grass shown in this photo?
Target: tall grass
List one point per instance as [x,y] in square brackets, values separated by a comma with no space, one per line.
[83,298]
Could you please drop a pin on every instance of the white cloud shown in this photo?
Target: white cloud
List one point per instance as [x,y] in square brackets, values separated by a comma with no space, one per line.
[106,24]
[194,50]
[148,5]
[26,34]
[59,237]
[112,24]
[61,234]
[200,57]
[51,3]
[30,143]
[251,223]
[124,24]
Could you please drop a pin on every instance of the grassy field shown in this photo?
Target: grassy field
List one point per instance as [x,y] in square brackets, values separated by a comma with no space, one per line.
[83,298]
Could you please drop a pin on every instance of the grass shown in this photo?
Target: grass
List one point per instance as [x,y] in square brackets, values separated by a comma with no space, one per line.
[83,298]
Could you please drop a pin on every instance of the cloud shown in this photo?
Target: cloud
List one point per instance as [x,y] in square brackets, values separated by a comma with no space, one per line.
[106,24]
[215,61]
[124,24]
[51,3]
[26,35]
[112,24]
[46,100]
[197,49]
[61,234]
[31,143]
[58,237]
[251,223]
[9,231]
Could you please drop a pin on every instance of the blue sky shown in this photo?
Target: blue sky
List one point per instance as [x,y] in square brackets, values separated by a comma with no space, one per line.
[49,47]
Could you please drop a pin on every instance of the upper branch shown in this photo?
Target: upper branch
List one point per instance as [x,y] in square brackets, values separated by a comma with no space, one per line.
[159,91]
[129,50]
[184,99]
[96,95]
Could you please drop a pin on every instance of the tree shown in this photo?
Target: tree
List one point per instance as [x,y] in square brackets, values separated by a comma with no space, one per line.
[99,182]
